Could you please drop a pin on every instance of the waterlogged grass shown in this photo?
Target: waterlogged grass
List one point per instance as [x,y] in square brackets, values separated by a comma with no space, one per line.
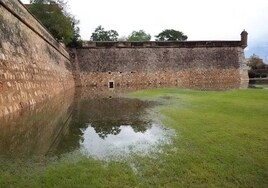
[222,137]
[82,173]
[221,141]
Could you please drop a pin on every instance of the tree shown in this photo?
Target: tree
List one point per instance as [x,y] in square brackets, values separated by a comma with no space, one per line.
[101,35]
[76,40]
[139,36]
[54,16]
[255,62]
[171,35]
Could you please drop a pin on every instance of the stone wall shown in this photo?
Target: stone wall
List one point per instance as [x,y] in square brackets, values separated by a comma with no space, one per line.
[33,66]
[191,64]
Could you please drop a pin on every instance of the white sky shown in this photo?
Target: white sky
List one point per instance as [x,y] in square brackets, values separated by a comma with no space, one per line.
[198,19]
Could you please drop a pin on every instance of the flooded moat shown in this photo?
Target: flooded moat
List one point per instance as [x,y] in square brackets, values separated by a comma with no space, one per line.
[102,126]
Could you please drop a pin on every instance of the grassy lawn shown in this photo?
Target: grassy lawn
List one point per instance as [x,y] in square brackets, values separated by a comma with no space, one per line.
[221,141]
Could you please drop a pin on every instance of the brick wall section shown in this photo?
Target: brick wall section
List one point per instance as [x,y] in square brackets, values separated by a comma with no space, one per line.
[200,65]
[33,66]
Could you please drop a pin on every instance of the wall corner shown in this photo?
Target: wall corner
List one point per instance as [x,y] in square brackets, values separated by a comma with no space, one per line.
[243,68]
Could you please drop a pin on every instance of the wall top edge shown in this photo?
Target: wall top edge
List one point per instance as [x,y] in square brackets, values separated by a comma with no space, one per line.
[159,44]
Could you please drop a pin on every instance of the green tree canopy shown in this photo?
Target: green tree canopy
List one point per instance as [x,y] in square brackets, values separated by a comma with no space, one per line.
[171,35]
[101,35]
[54,16]
[255,62]
[139,36]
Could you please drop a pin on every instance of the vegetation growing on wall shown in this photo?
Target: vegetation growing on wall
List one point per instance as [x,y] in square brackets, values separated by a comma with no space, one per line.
[54,16]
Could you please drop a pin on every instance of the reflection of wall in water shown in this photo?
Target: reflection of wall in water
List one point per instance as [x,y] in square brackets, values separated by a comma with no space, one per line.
[34,132]
[105,115]
[86,93]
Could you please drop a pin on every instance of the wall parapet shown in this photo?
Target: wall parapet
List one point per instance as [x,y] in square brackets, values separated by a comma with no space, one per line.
[190,64]
[161,44]
[169,44]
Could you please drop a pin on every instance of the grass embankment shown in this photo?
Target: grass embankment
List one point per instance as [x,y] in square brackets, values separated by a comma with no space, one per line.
[222,141]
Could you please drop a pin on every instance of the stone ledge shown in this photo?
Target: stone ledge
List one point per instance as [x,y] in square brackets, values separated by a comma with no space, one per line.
[160,44]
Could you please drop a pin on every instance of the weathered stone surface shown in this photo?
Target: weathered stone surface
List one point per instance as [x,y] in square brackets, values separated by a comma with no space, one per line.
[201,67]
[33,66]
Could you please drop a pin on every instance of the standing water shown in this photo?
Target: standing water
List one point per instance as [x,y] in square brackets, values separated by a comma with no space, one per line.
[102,127]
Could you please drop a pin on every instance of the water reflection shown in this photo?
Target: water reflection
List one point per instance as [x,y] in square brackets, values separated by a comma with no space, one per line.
[258,86]
[125,142]
[107,117]
[258,83]
[34,131]
[100,126]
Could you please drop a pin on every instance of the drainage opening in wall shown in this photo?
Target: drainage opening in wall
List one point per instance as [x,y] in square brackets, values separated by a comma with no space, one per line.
[111,84]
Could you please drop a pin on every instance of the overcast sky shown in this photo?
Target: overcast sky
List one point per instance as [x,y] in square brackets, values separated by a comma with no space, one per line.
[198,19]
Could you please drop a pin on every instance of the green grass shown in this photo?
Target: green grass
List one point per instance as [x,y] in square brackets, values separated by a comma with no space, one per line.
[221,141]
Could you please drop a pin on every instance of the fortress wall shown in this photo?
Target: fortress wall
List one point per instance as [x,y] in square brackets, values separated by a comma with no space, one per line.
[33,65]
[205,65]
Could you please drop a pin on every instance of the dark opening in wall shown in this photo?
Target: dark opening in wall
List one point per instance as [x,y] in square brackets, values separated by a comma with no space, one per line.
[111,84]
